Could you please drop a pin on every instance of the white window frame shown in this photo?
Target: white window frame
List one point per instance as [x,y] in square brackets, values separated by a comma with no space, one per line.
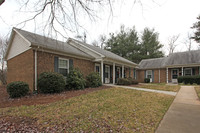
[148,74]
[99,65]
[188,69]
[64,67]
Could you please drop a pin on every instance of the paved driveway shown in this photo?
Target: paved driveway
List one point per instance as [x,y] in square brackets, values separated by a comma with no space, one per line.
[183,115]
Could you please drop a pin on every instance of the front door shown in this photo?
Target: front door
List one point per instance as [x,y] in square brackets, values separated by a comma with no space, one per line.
[149,75]
[174,75]
[107,74]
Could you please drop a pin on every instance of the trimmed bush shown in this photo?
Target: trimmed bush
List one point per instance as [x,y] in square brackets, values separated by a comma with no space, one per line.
[93,80]
[17,89]
[133,81]
[189,79]
[147,80]
[50,82]
[123,81]
[75,80]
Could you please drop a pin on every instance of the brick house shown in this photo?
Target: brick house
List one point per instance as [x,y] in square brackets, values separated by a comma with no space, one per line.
[30,54]
[168,69]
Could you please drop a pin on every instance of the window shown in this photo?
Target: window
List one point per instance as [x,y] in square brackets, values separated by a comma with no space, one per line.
[149,74]
[97,68]
[188,71]
[63,66]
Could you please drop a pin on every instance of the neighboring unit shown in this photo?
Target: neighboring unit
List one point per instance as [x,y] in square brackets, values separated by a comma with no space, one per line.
[29,54]
[168,69]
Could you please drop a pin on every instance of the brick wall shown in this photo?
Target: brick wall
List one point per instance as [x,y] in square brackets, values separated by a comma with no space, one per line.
[141,76]
[20,68]
[46,63]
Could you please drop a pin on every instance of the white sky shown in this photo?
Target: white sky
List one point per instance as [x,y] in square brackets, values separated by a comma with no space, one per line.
[167,17]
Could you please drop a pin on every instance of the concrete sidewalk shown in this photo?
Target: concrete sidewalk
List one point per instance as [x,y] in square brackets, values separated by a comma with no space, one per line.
[183,115]
[144,89]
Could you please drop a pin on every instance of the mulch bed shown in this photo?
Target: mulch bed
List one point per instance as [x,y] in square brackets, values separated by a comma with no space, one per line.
[5,101]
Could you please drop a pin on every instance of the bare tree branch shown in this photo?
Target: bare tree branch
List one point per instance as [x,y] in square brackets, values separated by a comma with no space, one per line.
[172,43]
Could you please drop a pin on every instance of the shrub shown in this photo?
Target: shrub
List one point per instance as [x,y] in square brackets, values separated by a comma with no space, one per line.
[189,79]
[123,81]
[50,82]
[93,80]
[17,89]
[133,81]
[75,80]
[147,80]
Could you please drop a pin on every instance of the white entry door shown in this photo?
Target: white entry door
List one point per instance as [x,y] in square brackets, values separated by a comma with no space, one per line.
[107,74]
[174,75]
[149,75]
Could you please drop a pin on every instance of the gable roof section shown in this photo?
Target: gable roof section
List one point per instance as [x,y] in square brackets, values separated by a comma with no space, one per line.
[152,63]
[51,44]
[107,54]
[184,58]
[175,59]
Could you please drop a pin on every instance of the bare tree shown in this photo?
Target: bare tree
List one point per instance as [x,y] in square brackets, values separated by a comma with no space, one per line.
[82,38]
[188,41]
[95,43]
[172,43]
[102,39]
[3,47]
[60,17]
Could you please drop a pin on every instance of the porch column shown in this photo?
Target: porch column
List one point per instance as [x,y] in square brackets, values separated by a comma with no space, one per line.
[113,73]
[167,73]
[182,71]
[102,71]
[122,71]
[159,75]
[199,70]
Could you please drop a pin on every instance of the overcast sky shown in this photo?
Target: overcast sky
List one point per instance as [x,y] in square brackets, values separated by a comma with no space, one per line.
[167,17]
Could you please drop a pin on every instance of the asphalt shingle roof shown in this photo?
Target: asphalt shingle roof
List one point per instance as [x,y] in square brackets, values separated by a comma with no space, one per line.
[152,63]
[106,53]
[52,44]
[64,47]
[175,59]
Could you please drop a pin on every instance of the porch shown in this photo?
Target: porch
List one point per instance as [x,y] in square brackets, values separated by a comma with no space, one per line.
[172,73]
[111,71]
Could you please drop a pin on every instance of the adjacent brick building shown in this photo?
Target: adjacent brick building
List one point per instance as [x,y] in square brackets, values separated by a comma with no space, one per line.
[168,69]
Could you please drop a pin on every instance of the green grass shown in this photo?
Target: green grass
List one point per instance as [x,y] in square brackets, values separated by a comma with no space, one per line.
[116,109]
[161,86]
[197,88]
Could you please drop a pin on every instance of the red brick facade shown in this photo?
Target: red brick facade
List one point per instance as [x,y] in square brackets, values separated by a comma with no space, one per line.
[163,76]
[21,68]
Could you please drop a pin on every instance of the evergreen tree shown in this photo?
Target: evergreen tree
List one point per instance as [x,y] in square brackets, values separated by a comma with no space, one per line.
[150,45]
[196,26]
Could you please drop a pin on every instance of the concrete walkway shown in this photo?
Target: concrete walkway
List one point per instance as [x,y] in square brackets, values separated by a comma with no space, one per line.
[144,89]
[183,115]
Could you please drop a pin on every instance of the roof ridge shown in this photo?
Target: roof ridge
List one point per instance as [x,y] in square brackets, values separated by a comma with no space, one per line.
[37,34]
[185,52]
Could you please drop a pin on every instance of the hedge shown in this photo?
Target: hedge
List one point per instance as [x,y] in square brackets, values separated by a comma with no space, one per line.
[189,79]
[126,81]
[17,89]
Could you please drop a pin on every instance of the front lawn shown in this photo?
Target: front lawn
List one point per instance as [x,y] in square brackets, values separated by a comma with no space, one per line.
[197,88]
[109,110]
[161,86]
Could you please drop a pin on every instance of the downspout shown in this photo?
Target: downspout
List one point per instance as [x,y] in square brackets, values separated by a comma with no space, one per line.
[36,70]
